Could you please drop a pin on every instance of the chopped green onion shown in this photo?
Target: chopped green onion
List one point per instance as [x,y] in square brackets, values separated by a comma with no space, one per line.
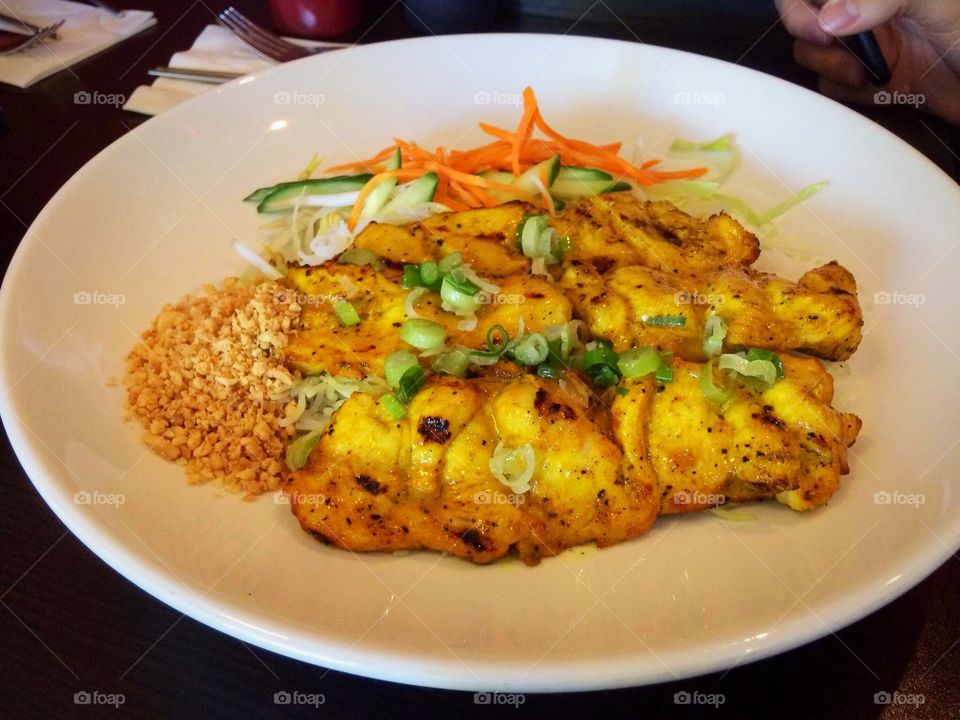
[411,277]
[454,363]
[770,356]
[562,246]
[396,364]
[603,375]
[358,256]
[495,349]
[600,365]
[637,362]
[530,349]
[715,331]
[346,313]
[393,406]
[298,452]
[566,338]
[514,466]
[666,321]
[410,382]
[534,238]
[664,373]
[423,334]
[764,371]
[458,294]
[713,393]
[622,391]
[447,264]
[548,372]
[429,273]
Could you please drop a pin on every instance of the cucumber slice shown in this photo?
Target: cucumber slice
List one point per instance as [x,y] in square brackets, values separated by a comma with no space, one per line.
[525,181]
[258,195]
[381,193]
[498,176]
[284,196]
[569,172]
[571,189]
[416,193]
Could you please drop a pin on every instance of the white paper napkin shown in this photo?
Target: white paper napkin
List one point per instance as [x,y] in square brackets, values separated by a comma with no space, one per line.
[216,48]
[86,31]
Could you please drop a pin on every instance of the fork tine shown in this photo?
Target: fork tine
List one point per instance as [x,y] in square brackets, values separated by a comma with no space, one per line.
[254,29]
[34,39]
[252,42]
[262,40]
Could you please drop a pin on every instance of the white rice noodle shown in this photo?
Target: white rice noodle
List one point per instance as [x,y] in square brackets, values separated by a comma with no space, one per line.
[258,262]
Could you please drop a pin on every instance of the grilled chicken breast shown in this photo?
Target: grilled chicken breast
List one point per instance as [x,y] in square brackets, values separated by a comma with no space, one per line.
[324,344]
[377,483]
[819,314]
[486,238]
[617,229]
[605,467]
[786,443]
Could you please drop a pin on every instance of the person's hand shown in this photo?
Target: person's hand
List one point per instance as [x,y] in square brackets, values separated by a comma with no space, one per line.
[919,38]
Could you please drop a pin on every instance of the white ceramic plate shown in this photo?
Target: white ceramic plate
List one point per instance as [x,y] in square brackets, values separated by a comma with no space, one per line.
[150,219]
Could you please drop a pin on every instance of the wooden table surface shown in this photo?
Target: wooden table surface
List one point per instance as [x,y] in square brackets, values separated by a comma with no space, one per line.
[71,624]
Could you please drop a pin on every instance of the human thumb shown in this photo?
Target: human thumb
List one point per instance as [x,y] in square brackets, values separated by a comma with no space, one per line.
[848,17]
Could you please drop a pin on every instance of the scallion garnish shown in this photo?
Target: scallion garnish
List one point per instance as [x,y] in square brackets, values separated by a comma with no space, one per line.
[530,349]
[396,364]
[393,406]
[637,362]
[454,363]
[714,393]
[458,294]
[423,334]
[410,382]
[346,313]
[411,277]
[666,321]
[600,365]
[715,331]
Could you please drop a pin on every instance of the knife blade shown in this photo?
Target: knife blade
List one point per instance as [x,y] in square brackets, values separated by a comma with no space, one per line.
[214,77]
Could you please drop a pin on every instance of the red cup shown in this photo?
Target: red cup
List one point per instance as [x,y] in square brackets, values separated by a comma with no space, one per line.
[316,19]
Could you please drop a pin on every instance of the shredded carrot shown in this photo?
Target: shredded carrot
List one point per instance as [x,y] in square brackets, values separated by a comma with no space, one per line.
[460,186]
[368,188]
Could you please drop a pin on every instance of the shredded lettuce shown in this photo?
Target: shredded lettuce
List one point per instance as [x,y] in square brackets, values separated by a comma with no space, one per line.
[721,153]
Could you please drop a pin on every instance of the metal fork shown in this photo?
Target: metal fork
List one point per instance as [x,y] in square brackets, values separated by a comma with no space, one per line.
[265,42]
[31,40]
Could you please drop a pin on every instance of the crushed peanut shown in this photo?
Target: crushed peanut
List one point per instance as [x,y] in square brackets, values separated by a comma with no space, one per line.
[202,379]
